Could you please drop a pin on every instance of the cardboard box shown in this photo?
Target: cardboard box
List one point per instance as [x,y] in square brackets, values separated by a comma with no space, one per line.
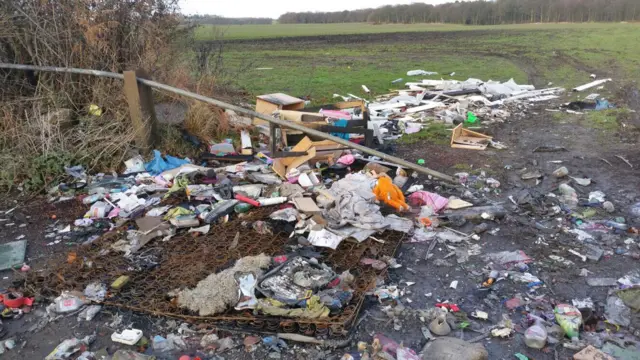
[267,104]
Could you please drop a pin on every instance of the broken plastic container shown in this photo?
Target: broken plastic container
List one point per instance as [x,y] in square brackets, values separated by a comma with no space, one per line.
[536,335]
[161,344]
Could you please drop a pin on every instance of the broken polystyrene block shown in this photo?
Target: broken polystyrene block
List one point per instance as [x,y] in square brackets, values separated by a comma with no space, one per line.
[128,337]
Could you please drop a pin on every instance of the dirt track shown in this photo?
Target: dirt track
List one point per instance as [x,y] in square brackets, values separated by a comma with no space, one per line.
[371,38]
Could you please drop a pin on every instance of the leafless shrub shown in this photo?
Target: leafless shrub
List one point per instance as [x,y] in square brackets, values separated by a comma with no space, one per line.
[108,35]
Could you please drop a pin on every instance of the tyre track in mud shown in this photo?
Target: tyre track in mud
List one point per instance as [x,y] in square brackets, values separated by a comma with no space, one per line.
[371,38]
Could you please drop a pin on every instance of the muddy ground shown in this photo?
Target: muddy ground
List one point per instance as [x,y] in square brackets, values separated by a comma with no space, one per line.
[587,149]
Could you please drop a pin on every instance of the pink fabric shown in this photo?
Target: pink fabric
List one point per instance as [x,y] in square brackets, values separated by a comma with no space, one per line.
[422,198]
[346,159]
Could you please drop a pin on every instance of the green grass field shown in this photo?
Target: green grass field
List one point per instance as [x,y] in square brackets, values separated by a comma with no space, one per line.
[234,32]
[565,54]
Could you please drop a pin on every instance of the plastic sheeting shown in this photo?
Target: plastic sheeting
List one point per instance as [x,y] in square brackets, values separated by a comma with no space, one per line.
[420,73]
[505,89]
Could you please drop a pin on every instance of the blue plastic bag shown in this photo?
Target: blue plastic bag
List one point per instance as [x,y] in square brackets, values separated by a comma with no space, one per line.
[603,104]
[158,165]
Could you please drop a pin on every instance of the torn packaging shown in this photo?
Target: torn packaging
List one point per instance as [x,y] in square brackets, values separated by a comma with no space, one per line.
[295,280]
[325,238]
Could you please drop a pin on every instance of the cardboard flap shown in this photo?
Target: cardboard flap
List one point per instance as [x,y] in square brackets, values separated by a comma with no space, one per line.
[282,165]
[462,138]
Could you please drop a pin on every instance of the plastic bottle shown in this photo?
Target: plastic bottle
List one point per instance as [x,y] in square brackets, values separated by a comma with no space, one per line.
[272,201]
[561,172]
[242,208]
[536,335]
[569,318]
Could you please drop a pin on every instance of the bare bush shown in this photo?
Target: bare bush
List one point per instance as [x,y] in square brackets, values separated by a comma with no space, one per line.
[109,35]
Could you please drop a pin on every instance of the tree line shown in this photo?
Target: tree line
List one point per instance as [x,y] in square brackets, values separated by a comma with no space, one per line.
[219,20]
[481,13]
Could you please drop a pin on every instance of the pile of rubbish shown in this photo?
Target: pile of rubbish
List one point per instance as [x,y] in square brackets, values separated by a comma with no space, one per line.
[292,239]
[451,102]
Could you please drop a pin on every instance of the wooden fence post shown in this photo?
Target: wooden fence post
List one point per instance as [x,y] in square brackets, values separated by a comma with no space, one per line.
[141,108]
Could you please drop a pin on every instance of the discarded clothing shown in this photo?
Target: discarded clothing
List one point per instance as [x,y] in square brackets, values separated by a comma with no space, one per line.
[354,204]
[335,299]
[341,123]
[314,309]
[425,198]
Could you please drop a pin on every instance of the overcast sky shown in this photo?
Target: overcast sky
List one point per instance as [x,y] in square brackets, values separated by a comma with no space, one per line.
[275,8]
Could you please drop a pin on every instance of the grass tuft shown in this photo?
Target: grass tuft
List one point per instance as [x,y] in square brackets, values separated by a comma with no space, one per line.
[434,133]
[607,120]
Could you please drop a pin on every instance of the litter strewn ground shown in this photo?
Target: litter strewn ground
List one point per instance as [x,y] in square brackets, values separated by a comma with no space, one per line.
[521,255]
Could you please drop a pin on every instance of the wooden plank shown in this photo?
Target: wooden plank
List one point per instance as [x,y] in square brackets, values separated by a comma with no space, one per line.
[350,104]
[148,108]
[140,128]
